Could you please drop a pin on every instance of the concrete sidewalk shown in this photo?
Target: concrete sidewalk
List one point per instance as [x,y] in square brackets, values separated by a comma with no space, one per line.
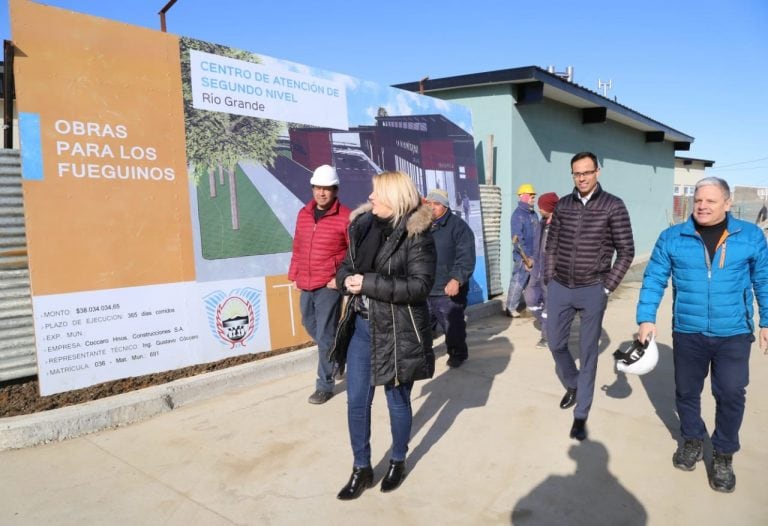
[489,446]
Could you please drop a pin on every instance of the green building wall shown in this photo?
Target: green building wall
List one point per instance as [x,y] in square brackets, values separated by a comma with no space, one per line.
[534,144]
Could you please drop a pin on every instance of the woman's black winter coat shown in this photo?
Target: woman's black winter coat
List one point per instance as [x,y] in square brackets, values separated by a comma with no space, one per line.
[397,291]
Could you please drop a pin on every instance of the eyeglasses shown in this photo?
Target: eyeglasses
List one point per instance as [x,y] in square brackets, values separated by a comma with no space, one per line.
[589,173]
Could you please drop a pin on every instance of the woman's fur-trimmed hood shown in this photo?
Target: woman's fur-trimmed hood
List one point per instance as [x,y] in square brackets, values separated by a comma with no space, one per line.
[418,222]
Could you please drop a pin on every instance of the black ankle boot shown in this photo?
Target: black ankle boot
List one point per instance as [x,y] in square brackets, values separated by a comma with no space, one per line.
[394,477]
[361,478]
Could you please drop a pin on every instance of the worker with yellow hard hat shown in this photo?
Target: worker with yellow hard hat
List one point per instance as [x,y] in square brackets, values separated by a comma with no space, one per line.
[523,227]
[526,188]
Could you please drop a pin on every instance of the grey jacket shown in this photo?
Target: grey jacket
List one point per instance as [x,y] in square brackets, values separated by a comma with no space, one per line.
[455,245]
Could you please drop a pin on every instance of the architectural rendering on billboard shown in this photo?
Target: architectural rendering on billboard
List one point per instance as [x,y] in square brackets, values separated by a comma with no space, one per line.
[162,178]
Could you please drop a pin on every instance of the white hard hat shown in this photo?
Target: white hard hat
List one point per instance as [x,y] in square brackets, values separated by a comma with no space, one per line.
[638,358]
[324,175]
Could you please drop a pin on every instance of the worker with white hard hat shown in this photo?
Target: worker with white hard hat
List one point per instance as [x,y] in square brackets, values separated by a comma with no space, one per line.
[319,246]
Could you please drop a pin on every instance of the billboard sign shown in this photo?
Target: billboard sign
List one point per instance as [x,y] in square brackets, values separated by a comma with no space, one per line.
[162,176]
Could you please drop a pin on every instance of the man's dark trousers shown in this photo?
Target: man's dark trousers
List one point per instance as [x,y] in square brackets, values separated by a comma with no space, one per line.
[449,313]
[320,311]
[562,305]
[728,358]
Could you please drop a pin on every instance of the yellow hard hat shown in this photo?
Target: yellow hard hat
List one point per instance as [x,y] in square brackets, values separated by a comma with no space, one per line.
[526,188]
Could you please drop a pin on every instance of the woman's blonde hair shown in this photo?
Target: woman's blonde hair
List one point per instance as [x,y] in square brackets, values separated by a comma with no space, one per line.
[397,191]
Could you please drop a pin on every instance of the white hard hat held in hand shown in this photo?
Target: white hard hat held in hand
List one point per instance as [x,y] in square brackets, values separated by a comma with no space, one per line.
[638,358]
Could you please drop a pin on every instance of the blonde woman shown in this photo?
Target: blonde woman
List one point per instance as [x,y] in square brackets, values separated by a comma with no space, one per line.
[388,271]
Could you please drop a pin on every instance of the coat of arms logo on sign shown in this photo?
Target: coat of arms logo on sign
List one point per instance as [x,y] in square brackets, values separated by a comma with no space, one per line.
[233,317]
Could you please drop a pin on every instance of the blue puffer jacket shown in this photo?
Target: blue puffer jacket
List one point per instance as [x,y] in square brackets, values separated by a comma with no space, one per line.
[714,299]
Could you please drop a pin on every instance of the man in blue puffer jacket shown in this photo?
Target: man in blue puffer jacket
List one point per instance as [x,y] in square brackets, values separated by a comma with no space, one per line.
[715,262]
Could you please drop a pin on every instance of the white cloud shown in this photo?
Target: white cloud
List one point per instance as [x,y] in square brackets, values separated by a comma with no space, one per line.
[441,105]
[350,83]
[403,105]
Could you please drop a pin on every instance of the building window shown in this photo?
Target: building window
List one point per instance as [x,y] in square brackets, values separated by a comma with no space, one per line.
[689,190]
[678,189]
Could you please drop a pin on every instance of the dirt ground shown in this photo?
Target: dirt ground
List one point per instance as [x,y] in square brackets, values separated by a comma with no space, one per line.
[21,397]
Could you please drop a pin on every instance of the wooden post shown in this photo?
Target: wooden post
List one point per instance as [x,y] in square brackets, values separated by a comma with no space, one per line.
[489,177]
[8,94]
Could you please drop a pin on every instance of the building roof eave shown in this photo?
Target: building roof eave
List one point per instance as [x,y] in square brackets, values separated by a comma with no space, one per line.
[689,160]
[554,88]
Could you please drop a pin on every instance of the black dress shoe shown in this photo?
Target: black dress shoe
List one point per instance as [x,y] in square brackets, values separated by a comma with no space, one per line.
[579,429]
[361,478]
[568,399]
[454,362]
[394,477]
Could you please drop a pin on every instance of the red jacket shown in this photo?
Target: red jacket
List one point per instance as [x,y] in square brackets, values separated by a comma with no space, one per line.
[318,249]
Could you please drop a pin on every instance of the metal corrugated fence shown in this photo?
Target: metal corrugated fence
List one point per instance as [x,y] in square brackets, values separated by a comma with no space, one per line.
[490,202]
[17,334]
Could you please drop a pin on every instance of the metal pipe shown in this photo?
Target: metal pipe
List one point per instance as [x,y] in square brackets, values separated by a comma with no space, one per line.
[162,14]
[421,85]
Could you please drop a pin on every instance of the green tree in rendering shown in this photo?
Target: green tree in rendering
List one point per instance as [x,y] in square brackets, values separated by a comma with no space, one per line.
[218,140]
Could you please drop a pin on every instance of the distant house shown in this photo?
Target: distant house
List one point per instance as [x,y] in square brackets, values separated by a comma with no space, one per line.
[747,200]
[687,172]
[539,120]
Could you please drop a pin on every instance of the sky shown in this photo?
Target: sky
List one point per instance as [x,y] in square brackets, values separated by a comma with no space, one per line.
[700,67]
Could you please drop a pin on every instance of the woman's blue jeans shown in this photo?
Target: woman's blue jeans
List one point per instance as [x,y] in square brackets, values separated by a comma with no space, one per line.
[360,397]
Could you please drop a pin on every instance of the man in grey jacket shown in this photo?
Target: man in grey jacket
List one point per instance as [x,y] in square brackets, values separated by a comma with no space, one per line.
[455,246]
[587,228]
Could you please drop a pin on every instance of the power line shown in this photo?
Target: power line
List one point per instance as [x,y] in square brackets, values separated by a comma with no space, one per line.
[738,164]
[740,169]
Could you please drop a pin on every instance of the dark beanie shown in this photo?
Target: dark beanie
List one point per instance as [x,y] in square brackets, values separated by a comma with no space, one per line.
[548,201]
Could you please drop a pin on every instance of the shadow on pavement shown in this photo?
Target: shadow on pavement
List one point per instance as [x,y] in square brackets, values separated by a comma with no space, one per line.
[659,386]
[447,395]
[590,496]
